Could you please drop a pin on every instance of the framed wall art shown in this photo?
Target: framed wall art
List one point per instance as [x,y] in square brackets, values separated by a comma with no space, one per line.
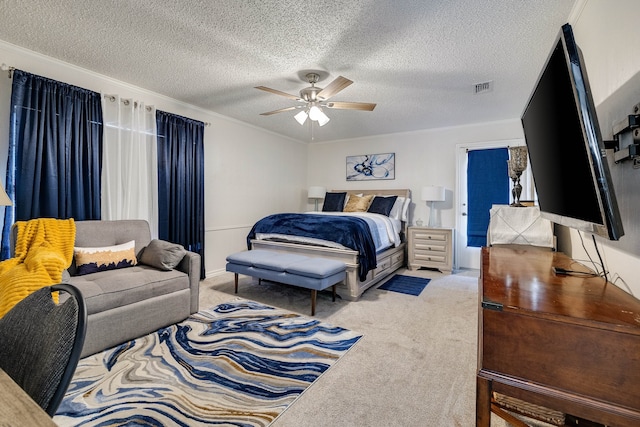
[371,166]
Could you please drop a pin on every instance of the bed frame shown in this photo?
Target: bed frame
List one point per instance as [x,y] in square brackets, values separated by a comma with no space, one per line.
[387,262]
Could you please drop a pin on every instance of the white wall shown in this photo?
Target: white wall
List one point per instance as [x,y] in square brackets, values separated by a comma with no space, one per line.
[607,33]
[248,172]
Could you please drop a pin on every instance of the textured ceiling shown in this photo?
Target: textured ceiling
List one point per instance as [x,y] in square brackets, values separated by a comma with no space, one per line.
[417,60]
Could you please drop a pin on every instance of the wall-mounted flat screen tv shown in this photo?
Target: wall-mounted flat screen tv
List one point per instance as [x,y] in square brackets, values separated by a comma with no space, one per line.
[566,150]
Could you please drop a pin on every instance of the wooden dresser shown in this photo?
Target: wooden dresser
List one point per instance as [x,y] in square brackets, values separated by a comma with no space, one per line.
[430,247]
[568,343]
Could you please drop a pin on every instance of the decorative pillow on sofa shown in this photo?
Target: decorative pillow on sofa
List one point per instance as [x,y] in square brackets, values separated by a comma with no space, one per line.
[382,205]
[162,255]
[358,203]
[91,260]
[333,202]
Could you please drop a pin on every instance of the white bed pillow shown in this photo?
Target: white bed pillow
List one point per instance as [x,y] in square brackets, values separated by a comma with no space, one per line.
[405,209]
[396,210]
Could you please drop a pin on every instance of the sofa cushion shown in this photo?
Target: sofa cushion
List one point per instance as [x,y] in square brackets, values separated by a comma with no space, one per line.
[93,233]
[91,260]
[110,289]
[162,254]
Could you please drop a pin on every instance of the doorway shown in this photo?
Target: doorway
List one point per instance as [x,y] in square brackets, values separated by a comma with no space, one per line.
[468,257]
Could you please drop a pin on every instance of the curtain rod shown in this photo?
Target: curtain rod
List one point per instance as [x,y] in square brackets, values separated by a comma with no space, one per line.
[112,98]
[9,69]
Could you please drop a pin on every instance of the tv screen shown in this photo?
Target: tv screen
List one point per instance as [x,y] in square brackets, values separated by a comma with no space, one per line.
[566,151]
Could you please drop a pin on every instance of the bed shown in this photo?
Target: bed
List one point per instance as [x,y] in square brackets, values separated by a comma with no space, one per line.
[366,266]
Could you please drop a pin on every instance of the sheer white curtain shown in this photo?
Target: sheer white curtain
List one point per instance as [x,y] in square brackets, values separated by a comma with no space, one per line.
[129,161]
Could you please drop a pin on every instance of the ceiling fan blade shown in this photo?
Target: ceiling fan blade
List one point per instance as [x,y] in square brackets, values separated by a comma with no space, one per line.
[334,87]
[363,106]
[282,110]
[278,92]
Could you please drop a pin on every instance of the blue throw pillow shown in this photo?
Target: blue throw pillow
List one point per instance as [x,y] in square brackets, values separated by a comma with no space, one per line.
[333,202]
[382,205]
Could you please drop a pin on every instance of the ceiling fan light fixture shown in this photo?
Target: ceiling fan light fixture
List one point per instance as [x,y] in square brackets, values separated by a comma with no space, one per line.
[315,112]
[314,98]
[301,117]
[323,119]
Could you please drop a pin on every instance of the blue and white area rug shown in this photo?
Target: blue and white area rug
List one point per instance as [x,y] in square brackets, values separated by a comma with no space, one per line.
[405,284]
[238,364]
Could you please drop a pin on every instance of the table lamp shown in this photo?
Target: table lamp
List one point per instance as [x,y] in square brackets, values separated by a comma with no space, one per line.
[517,163]
[433,194]
[316,193]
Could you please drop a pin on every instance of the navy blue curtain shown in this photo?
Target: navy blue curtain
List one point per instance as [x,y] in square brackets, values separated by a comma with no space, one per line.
[55,152]
[181,182]
[487,184]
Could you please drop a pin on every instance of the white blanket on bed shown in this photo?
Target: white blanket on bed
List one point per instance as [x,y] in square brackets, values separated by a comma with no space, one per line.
[385,232]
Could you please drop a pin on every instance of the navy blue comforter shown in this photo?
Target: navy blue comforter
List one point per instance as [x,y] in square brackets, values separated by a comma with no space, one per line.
[353,233]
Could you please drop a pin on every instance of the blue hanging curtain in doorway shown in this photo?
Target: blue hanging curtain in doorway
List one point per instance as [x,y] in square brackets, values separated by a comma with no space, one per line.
[487,184]
[55,152]
[181,182]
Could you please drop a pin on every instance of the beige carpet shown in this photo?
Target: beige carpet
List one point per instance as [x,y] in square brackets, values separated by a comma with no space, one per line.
[415,365]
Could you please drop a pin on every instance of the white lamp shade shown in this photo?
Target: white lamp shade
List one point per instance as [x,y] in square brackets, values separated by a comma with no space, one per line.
[316,192]
[301,117]
[433,193]
[323,119]
[314,112]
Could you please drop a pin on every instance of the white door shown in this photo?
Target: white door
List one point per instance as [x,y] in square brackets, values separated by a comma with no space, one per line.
[469,257]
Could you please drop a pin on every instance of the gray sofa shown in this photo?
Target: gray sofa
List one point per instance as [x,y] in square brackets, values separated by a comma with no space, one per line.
[127,303]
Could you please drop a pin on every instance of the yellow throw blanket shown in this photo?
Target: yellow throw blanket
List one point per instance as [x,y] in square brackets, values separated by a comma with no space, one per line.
[44,249]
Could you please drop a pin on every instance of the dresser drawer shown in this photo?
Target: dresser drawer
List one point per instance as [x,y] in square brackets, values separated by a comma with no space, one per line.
[397,259]
[383,264]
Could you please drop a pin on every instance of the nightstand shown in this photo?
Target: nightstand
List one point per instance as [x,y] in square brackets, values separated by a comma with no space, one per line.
[430,247]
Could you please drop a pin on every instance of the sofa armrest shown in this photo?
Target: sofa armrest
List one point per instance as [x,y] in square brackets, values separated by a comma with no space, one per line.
[190,265]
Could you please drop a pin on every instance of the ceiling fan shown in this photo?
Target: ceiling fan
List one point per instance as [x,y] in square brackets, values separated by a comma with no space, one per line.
[314,98]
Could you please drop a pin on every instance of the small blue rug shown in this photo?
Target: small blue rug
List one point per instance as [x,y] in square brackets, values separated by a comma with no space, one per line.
[405,284]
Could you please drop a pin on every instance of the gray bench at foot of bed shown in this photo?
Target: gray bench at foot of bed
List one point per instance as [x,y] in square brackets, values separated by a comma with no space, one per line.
[292,269]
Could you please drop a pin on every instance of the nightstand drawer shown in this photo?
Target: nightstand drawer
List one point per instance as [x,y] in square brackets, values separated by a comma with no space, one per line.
[426,236]
[430,257]
[430,246]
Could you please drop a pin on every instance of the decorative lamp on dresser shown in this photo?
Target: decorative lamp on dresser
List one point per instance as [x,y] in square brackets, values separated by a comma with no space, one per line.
[430,247]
